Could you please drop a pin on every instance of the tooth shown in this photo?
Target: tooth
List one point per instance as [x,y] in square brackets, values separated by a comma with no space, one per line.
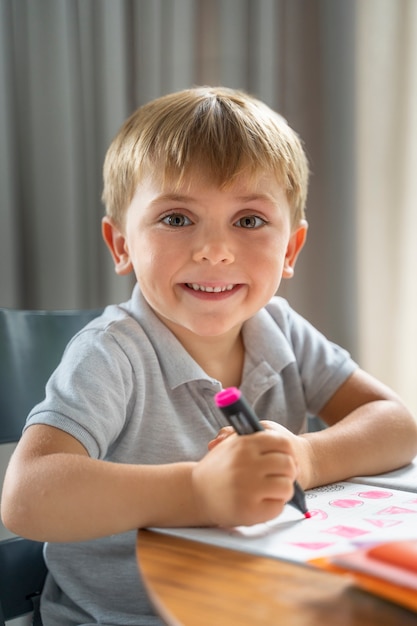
[198,287]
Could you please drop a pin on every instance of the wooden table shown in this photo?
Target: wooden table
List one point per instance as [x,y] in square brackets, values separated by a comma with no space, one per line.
[194,584]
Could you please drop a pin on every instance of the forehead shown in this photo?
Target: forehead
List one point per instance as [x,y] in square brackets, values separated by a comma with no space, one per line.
[198,182]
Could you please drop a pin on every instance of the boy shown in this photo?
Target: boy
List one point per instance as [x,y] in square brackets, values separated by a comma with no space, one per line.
[205,193]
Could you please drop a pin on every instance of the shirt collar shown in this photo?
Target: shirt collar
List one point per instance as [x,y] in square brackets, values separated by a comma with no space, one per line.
[176,363]
[267,351]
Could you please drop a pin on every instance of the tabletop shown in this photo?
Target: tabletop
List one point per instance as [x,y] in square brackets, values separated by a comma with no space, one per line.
[194,583]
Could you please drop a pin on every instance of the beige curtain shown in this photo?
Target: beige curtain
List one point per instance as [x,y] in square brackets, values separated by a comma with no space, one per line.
[386,208]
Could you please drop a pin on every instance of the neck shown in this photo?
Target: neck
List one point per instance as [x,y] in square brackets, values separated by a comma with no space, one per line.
[220,357]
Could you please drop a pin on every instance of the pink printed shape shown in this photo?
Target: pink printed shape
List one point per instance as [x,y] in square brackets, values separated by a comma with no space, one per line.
[346,531]
[313,545]
[318,514]
[383,523]
[345,503]
[395,510]
[375,495]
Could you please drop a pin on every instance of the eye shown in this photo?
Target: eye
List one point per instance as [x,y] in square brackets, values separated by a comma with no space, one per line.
[176,220]
[250,221]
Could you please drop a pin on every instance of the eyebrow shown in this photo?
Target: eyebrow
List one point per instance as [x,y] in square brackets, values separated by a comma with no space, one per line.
[176,197]
[256,196]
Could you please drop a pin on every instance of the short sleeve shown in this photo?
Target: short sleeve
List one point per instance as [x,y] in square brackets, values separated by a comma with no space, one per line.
[89,394]
[323,365]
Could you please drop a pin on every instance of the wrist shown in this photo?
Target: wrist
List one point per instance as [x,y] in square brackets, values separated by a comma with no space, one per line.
[199,500]
[306,461]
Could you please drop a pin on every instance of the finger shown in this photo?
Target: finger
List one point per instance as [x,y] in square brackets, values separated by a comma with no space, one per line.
[223,434]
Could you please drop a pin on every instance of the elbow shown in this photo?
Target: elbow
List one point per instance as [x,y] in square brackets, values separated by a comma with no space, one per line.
[9,514]
[414,440]
[409,438]
[15,511]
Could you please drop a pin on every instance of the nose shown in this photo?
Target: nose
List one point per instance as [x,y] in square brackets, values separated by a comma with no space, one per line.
[213,247]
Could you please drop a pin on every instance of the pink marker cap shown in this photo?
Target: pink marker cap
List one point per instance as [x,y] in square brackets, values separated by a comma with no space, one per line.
[227,397]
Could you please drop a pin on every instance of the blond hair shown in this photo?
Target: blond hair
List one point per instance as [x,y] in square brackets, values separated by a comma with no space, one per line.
[214,130]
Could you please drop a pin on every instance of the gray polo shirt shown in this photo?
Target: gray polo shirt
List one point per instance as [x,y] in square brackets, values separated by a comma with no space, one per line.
[129,392]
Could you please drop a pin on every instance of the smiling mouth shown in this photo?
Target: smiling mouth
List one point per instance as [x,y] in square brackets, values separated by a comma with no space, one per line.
[207,289]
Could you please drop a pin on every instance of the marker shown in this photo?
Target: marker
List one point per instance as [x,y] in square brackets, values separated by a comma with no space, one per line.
[244,420]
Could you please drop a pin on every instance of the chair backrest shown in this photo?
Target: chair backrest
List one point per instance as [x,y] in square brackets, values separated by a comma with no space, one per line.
[22,575]
[31,346]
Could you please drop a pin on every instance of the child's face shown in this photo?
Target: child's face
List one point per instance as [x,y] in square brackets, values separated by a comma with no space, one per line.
[207,259]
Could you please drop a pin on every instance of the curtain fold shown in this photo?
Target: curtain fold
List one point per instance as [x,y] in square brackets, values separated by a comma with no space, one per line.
[386,146]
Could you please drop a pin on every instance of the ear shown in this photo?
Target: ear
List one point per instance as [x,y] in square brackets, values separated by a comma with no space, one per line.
[116,243]
[295,245]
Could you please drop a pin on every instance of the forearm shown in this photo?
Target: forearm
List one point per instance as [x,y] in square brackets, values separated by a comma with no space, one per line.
[68,497]
[377,437]
[56,495]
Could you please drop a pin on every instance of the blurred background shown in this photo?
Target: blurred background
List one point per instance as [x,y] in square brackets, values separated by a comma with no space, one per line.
[344,74]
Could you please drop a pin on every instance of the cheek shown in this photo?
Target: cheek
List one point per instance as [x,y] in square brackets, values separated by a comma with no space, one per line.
[269,264]
[271,256]
[155,261]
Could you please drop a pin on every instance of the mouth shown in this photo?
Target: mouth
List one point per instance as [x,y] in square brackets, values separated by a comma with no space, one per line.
[210,289]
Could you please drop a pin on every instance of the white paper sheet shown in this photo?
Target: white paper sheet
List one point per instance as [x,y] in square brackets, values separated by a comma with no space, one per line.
[345,516]
[404,478]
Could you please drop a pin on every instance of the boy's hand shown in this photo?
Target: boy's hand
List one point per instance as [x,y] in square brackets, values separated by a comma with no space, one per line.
[300,445]
[223,434]
[227,431]
[246,480]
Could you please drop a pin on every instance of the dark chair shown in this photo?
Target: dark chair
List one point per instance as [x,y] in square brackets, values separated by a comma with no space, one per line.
[22,574]
[31,346]
[315,424]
